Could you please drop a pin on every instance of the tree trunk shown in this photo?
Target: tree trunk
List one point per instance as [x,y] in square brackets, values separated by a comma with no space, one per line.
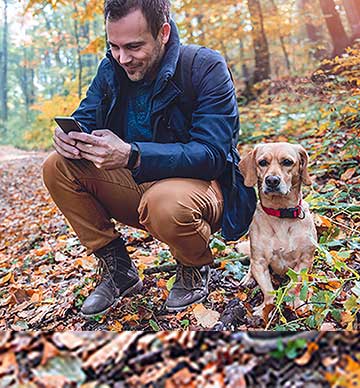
[4,67]
[352,9]
[281,38]
[78,50]
[261,49]
[336,29]
[313,32]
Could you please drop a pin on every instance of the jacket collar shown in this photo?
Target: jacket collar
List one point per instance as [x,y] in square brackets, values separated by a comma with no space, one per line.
[168,63]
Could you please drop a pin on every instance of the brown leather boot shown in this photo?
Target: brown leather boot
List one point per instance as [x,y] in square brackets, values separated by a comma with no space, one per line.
[119,278]
[191,286]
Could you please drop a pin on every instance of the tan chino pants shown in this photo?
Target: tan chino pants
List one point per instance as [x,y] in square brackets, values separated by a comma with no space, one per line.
[181,212]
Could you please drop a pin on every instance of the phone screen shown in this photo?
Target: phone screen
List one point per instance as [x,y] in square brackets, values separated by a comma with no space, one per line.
[68,124]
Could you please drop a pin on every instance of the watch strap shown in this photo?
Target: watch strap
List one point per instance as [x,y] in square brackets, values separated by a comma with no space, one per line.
[133,157]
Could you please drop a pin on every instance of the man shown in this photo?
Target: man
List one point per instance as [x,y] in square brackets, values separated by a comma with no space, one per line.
[158,165]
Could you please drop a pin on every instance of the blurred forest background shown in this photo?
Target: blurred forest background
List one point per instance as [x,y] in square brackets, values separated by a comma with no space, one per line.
[49,50]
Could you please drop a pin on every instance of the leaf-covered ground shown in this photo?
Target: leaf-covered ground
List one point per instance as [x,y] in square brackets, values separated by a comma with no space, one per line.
[174,360]
[45,274]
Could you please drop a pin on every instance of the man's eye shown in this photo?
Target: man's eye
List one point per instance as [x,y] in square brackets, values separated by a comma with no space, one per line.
[263,163]
[287,162]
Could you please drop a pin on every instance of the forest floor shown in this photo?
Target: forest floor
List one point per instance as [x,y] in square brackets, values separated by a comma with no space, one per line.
[174,360]
[45,273]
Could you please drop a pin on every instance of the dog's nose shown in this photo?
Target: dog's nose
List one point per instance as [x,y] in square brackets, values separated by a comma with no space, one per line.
[272,181]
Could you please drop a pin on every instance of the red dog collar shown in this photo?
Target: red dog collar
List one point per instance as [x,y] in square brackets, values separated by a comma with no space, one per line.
[291,212]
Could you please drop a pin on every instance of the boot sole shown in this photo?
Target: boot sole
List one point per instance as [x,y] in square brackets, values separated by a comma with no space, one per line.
[181,308]
[137,287]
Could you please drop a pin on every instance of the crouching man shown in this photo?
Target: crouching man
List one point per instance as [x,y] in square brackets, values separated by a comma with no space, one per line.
[153,155]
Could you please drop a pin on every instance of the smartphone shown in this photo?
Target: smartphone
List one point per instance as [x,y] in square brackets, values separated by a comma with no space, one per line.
[68,124]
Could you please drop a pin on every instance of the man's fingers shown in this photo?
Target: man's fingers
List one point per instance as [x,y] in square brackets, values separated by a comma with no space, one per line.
[86,138]
[66,148]
[101,132]
[65,154]
[60,134]
[90,149]
[92,158]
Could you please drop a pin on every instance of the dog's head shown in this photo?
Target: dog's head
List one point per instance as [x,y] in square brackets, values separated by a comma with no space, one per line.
[276,167]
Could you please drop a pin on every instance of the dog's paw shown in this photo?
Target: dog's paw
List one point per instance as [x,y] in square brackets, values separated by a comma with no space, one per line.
[258,311]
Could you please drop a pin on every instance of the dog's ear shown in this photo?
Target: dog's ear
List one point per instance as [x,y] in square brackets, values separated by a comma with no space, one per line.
[247,168]
[304,159]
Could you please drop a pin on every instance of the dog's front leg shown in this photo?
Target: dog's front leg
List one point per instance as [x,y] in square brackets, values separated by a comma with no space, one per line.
[260,271]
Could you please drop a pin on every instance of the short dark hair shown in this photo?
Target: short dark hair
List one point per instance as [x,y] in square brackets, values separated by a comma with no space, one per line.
[156,12]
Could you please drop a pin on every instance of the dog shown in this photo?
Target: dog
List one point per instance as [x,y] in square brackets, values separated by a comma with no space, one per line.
[282,233]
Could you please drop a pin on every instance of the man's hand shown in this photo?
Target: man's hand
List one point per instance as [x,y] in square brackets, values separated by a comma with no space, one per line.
[64,145]
[103,148]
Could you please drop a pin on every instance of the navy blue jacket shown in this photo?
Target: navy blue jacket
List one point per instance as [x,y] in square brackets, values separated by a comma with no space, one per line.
[199,144]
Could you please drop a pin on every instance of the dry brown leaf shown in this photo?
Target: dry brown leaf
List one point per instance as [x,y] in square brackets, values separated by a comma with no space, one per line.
[4,338]
[266,312]
[205,317]
[348,174]
[49,351]
[70,340]
[8,362]
[113,350]
[329,361]
[57,381]
[182,378]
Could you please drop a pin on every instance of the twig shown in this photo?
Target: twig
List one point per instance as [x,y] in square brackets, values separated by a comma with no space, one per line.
[172,267]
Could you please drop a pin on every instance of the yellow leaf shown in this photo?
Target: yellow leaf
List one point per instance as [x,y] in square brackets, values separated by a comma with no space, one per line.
[5,278]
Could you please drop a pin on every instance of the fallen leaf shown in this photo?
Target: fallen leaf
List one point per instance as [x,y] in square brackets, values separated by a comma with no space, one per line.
[348,174]
[8,362]
[61,370]
[328,326]
[5,278]
[205,317]
[306,357]
[70,340]
[114,350]
[49,351]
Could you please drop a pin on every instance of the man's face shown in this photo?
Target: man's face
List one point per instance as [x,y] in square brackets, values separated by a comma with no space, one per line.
[134,47]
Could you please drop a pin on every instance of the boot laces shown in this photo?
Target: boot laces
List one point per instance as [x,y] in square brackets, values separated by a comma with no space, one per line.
[189,277]
[104,271]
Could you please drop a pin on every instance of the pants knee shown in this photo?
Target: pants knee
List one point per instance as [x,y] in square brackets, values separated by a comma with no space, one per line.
[160,209]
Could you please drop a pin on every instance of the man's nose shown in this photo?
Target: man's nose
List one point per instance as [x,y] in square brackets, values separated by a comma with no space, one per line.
[124,57]
[272,181]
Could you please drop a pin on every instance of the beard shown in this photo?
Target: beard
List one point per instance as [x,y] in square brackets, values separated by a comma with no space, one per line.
[149,69]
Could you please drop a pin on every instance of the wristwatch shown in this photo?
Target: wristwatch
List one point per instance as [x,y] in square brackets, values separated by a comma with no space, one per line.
[133,157]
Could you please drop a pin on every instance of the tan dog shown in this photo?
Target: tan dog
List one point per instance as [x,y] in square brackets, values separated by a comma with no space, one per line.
[282,232]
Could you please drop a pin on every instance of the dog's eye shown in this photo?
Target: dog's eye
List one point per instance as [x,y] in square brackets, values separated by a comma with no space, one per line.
[263,163]
[287,162]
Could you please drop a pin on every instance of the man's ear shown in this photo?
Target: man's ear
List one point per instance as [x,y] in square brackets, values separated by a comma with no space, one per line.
[247,168]
[304,159]
[165,32]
